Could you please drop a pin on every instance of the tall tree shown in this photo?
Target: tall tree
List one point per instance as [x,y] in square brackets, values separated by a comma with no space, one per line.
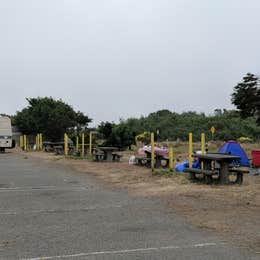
[116,135]
[50,117]
[246,96]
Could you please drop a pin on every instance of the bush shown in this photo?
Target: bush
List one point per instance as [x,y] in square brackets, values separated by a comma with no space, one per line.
[244,139]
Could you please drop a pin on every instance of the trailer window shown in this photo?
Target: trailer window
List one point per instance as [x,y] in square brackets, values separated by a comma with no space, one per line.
[5,137]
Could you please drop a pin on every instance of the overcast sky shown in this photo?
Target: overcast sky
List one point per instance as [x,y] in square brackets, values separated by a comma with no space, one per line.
[122,58]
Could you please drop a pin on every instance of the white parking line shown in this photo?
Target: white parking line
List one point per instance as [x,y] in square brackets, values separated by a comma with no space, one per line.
[35,189]
[127,251]
[59,210]
[12,187]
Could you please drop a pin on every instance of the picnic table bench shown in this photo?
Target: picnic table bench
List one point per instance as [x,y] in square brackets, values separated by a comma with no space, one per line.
[160,161]
[117,157]
[220,165]
[143,161]
[58,149]
[107,154]
[98,156]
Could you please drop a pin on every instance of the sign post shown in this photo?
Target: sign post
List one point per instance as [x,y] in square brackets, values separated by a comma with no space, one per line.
[212,130]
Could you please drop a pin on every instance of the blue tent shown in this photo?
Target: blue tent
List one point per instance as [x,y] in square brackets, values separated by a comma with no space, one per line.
[232,147]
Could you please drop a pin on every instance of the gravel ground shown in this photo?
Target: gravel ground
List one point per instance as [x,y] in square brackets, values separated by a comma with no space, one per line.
[230,212]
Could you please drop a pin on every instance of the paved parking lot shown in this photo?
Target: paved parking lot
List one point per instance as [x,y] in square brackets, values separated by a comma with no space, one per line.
[50,212]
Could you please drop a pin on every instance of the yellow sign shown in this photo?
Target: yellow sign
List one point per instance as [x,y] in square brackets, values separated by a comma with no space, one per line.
[212,130]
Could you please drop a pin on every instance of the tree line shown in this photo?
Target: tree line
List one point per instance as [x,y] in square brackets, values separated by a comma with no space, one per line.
[54,117]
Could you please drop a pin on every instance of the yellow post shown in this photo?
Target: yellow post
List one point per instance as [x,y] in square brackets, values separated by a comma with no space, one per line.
[24,143]
[83,145]
[152,151]
[36,142]
[190,150]
[90,145]
[40,141]
[21,142]
[77,144]
[66,145]
[67,142]
[203,143]
[171,159]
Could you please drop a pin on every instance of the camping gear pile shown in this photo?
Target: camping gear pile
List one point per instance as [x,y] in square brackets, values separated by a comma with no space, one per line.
[231,148]
[161,151]
[230,160]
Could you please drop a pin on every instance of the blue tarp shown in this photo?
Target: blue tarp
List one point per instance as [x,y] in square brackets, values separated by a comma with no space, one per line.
[232,147]
[181,166]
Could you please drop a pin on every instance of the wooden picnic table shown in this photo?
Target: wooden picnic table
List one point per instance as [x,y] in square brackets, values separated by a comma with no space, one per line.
[50,146]
[160,160]
[109,153]
[57,147]
[218,164]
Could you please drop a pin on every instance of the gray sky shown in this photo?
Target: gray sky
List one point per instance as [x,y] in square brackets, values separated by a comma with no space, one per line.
[124,58]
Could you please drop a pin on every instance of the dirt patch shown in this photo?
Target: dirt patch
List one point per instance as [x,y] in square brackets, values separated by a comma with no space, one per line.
[232,211]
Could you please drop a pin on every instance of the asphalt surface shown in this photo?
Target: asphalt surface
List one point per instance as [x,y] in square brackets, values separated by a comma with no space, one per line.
[50,212]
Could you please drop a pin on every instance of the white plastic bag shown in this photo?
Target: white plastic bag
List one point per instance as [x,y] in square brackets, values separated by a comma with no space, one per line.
[132,160]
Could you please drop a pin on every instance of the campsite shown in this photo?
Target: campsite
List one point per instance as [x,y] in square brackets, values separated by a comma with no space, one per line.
[213,184]
[129,130]
[230,211]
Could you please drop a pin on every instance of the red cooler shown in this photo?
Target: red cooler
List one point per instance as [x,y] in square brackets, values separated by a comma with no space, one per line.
[256,158]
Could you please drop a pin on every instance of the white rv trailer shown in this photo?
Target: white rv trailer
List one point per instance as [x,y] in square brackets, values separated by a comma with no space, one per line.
[5,133]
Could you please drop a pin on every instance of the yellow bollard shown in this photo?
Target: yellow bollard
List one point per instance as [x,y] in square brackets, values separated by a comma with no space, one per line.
[203,143]
[171,159]
[90,145]
[152,151]
[24,143]
[65,145]
[36,142]
[21,142]
[40,142]
[77,144]
[190,150]
[83,145]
